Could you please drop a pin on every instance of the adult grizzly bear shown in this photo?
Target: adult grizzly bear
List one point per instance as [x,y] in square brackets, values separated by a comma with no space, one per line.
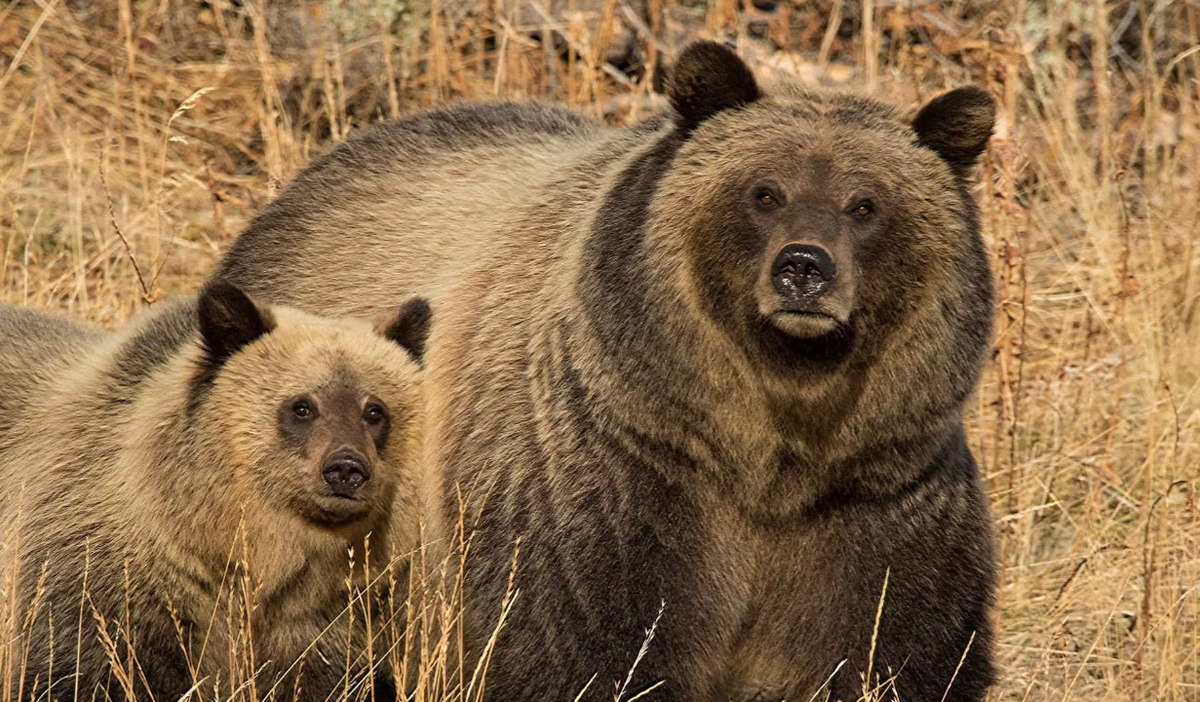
[715,362]
[210,433]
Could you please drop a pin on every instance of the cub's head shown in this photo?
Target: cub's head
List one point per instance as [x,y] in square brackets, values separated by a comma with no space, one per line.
[319,418]
[818,228]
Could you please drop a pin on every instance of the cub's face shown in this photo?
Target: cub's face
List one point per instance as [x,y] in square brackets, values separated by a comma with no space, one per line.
[816,223]
[336,421]
[321,417]
[335,436]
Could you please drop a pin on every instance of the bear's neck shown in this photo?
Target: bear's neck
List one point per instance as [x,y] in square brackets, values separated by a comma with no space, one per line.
[694,408]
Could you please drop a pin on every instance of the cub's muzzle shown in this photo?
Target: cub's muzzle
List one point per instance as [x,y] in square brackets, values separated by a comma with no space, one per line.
[801,273]
[345,472]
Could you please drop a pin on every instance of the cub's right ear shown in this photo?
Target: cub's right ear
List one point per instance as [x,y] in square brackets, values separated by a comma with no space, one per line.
[229,320]
[409,327]
[708,78]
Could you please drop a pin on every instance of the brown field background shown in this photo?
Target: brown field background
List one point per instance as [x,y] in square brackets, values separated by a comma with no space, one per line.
[138,136]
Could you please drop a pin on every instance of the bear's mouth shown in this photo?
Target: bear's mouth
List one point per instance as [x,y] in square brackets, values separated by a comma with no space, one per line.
[805,337]
[336,510]
[805,324]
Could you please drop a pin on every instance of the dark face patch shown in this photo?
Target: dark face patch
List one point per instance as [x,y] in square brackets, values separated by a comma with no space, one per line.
[333,417]
[826,234]
[337,435]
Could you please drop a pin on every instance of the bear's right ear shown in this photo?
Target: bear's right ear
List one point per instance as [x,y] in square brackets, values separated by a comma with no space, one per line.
[708,78]
[228,321]
[957,125]
[409,327]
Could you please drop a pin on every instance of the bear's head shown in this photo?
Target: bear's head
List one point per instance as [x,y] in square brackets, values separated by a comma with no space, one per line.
[822,231]
[318,418]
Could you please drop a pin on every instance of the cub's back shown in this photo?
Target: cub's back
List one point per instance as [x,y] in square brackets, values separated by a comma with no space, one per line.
[35,350]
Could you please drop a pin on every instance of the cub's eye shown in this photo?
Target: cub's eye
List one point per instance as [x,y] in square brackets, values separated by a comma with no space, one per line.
[864,208]
[767,198]
[304,410]
[374,413]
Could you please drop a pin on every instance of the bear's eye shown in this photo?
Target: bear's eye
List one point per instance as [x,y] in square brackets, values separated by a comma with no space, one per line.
[304,410]
[374,413]
[863,208]
[767,198]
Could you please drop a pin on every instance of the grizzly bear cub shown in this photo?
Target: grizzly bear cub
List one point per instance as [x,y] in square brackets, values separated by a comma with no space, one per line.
[184,499]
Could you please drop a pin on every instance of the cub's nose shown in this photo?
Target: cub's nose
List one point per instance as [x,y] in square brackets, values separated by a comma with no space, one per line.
[802,271]
[345,472]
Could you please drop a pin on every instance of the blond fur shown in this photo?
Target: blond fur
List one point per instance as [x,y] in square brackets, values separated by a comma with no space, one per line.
[169,505]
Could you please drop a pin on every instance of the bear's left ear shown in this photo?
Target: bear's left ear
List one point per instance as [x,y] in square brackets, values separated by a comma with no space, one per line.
[957,125]
[409,327]
[708,78]
[229,320]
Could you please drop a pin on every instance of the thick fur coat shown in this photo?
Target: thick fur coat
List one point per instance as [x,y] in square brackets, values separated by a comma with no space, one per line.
[610,384]
[163,530]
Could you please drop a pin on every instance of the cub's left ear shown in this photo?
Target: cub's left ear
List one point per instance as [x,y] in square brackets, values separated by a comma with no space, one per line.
[957,125]
[409,327]
[708,78]
[229,320]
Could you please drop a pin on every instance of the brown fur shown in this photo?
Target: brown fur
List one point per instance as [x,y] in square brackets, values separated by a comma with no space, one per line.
[38,349]
[607,385]
[152,468]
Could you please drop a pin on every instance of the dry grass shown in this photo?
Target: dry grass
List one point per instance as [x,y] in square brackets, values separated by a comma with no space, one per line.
[137,137]
[409,606]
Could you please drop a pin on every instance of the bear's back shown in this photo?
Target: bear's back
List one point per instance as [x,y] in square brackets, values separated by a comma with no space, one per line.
[65,388]
[35,350]
[407,205]
[386,147]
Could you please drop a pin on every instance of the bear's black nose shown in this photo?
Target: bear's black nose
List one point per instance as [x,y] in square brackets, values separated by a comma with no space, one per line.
[345,472]
[802,271]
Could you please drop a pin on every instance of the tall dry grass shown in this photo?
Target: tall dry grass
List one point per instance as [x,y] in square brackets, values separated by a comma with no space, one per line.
[137,137]
[401,622]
